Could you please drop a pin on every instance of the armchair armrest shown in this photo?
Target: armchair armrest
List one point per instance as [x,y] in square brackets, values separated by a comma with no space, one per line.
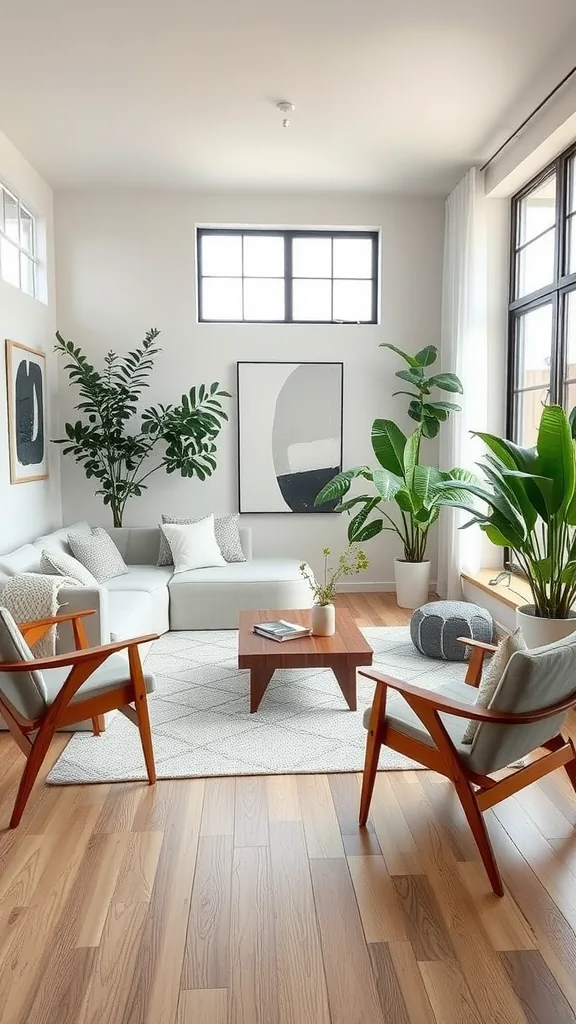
[24,627]
[417,696]
[479,651]
[72,658]
[480,645]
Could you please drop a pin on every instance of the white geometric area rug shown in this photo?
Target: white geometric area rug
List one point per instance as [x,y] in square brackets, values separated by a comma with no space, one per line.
[201,724]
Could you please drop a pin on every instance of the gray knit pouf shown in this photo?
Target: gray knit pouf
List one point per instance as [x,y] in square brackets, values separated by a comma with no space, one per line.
[435,628]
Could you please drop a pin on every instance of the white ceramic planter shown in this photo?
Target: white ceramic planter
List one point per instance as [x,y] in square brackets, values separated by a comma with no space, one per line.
[323,619]
[412,583]
[539,632]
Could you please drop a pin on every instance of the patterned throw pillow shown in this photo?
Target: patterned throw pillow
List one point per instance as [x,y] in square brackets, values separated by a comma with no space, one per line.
[227,534]
[98,553]
[491,677]
[66,565]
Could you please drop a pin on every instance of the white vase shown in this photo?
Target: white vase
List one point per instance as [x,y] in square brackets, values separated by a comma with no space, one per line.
[412,583]
[538,632]
[323,619]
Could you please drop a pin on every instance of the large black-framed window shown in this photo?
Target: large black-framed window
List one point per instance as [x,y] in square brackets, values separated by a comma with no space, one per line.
[542,309]
[255,275]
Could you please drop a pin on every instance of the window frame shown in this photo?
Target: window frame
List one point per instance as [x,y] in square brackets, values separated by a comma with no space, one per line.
[31,254]
[288,234]
[556,293]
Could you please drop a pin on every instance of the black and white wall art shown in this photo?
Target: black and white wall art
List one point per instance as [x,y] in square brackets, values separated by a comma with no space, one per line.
[289,434]
[26,385]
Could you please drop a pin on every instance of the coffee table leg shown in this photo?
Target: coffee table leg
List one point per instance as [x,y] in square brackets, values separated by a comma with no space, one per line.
[259,679]
[346,678]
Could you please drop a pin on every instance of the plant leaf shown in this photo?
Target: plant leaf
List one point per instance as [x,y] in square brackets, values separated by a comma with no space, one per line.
[411,360]
[426,356]
[388,444]
[446,382]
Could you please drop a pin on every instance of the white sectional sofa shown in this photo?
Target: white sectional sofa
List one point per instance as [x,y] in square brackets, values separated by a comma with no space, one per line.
[150,598]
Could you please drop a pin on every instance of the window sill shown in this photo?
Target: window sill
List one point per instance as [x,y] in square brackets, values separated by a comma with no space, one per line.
[517,594]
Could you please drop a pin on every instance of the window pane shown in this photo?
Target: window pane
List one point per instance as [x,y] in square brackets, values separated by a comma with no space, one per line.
[572,245]
[27,274]
[538,210]
[352,257]
[222,298]
[312,257]
[536,265]
[312,300]
[263,298]
[26,230]
[9,262]
[11,216]
[222,255]
[529,406]
[570,399]
[534,347]
[352,300]
[572,184]
[571,336]
[263,256]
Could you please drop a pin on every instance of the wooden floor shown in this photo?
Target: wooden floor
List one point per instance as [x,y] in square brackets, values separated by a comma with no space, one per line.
[257,901]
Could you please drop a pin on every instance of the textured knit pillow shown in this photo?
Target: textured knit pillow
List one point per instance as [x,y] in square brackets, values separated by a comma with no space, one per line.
[493,674]
[227,534]
[98,553]
[193,545]
[66,565]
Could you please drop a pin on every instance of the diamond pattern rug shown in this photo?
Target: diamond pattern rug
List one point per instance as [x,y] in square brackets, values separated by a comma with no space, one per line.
[202,726]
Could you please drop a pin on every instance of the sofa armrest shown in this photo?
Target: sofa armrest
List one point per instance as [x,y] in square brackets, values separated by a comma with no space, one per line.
[78,599]
[246,541]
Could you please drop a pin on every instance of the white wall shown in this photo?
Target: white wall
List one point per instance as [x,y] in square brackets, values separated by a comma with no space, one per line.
[30,509]
[126,262]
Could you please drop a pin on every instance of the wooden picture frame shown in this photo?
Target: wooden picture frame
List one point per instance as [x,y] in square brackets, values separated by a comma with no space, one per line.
[27,420]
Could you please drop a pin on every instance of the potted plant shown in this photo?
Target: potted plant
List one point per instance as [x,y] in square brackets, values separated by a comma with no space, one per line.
[351,562]
[530,507]
[106,443]
[418,491]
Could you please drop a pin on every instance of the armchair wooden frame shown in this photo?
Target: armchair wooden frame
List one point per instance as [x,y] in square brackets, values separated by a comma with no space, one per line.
[83,662]
[476,792]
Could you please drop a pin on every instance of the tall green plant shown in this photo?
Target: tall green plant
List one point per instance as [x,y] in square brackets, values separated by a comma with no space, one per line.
[418,491]
[109,447]
[529,505]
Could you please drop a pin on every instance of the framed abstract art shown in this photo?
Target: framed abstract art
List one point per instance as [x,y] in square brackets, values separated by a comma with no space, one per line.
[289,434]
[26,393]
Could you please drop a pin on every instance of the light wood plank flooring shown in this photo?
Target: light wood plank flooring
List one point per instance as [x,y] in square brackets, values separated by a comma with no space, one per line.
[258,901]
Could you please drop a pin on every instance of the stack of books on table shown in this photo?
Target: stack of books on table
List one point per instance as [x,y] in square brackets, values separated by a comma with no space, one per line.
[281,630]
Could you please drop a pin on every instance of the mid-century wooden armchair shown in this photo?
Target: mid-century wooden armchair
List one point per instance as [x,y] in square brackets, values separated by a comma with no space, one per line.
[40,695]
[527,713]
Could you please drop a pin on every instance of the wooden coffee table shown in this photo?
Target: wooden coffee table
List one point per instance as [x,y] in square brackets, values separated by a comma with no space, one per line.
[342,652]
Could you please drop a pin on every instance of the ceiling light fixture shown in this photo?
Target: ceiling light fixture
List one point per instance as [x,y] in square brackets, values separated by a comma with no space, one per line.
[285,108]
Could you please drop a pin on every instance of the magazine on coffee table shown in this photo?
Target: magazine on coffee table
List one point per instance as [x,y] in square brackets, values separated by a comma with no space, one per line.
[280,630]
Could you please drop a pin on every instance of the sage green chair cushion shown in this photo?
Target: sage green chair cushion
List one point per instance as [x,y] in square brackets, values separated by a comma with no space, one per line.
[532,680]
[401,717]
[113,672]
[25,691]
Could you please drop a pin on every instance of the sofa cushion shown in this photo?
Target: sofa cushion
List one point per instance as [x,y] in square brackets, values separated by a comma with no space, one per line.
[128,613]
[146,578]
[212,598]
[24,559]
[98,552]
[63,564]
[226,531]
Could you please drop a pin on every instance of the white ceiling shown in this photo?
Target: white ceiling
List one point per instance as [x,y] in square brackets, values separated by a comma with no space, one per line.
[390,95]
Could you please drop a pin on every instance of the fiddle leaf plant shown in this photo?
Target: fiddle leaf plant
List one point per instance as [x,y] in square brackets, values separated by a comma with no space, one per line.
[427,413]
[106,441]
[418,491]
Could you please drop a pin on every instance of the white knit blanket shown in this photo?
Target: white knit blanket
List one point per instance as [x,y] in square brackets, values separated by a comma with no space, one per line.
[32,595]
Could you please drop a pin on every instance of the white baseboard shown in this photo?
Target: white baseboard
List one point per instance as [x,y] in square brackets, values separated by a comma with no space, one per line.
[375,587]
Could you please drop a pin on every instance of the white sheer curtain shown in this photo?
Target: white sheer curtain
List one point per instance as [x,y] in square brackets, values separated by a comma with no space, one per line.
[463,350]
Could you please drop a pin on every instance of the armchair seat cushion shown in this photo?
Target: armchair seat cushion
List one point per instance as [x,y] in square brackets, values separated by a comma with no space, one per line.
[112,673]
[401,717]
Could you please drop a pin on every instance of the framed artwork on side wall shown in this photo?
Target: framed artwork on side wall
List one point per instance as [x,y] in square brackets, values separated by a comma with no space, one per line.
[289,434]
[26,387]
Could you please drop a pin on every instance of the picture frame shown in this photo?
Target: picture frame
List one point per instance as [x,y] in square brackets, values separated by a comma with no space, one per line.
[290,434]
[26,405]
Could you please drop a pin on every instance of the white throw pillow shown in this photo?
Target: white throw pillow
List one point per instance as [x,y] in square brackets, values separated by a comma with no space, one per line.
[193,545]
[98,553]
[491,677]
[226,530]
[66,565]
